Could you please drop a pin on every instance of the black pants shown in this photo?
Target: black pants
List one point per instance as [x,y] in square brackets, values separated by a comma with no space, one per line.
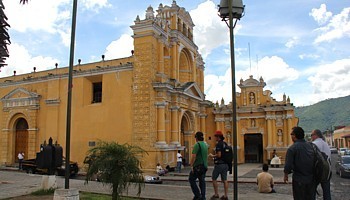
[304,191]
[20,163]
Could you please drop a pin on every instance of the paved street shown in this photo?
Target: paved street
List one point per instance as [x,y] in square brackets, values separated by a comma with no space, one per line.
[175,186]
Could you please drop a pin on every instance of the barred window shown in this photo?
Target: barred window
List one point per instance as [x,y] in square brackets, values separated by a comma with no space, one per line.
[97,92]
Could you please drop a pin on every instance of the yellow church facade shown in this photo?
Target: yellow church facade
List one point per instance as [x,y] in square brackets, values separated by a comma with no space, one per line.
[263,123]
[153,99]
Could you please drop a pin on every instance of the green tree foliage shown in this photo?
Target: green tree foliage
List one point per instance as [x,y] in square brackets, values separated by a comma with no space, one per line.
[116,165]
[4,36]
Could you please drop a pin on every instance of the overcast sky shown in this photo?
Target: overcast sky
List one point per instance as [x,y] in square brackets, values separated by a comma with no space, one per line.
[300,48]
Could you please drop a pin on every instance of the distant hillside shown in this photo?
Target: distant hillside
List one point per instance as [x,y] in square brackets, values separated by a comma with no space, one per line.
[325,114]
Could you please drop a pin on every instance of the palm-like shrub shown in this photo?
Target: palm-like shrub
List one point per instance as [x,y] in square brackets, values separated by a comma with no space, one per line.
[116,165]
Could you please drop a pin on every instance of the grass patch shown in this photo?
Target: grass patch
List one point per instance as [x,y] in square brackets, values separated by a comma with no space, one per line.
[42,192]
[95,196]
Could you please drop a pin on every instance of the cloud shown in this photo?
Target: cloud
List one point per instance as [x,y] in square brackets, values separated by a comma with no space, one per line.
[331,80]
[38,15]
[273,70]
[120,48]
[338,27]
[292,42]
[310,56]
[95,5]
[26,62]
[209,31]
[321,16]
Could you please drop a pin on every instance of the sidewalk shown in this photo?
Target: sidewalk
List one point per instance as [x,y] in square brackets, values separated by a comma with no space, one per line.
[178,189]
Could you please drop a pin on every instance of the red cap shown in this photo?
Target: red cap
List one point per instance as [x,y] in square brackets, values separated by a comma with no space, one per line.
[218,133]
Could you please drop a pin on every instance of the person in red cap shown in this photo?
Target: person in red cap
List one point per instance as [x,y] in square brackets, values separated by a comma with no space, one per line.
[221,167]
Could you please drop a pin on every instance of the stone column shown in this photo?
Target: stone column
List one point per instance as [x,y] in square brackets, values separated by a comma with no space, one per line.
[202,117]
[32,133]
[175,134]
[4,141]
[273,132]
[290,142]
[160,124]
[269,132]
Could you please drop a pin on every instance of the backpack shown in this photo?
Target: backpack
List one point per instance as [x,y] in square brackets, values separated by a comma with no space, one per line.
[227,156]
[322,165]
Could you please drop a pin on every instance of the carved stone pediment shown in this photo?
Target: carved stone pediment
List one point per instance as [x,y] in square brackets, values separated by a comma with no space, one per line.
[20,97]
[191,89]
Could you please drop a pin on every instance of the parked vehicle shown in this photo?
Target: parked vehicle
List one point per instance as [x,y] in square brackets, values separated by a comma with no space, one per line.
[31,167]
[341,151]
[334,150]
[342,167]
[347,152]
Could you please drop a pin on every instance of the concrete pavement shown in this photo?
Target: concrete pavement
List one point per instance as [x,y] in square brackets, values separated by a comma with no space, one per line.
[14,184]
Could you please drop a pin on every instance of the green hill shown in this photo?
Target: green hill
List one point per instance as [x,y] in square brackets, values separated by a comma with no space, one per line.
[324,114]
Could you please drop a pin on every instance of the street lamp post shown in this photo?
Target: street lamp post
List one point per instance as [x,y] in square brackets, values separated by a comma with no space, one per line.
[69,100]
[229,10]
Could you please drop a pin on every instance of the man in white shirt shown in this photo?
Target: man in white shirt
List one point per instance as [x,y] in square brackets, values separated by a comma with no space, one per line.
[179,161]
[317,139]
[20,159]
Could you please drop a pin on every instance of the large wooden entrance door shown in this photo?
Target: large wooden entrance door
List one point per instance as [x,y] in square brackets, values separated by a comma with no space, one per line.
[21,144]
[253,150]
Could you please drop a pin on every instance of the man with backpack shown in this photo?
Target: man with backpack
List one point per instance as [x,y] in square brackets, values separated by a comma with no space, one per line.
[300,161]
[221,167]
[317,139]
[199,164]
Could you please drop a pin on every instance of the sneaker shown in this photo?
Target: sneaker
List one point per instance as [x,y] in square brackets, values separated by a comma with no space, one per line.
[223,198]
[214,197]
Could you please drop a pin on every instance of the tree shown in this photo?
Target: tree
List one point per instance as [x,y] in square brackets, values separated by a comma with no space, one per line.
[4,36]
[116,165]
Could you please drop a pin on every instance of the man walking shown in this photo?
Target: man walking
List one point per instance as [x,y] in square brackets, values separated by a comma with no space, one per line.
[300,161]
[199,158]
[179,161]
[221,167]
[20,159]
[317,139]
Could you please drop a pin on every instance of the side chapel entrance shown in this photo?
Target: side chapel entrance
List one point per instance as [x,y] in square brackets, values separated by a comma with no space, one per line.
[186,136]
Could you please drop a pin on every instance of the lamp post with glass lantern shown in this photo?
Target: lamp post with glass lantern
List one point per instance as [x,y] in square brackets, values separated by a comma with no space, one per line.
[229,10]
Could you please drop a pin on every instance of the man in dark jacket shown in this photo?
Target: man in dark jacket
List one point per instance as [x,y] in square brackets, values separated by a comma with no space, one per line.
[300,162]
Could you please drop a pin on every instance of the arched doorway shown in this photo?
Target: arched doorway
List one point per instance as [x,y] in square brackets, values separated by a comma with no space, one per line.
[21,135]
[186,134]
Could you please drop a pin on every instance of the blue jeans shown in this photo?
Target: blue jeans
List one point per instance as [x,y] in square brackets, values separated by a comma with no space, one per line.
[199,193]
[178,167]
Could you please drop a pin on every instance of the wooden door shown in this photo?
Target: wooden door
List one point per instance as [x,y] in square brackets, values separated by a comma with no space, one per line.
[21,144]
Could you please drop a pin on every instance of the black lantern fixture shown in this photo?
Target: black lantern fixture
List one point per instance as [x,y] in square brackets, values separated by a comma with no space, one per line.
[228,11]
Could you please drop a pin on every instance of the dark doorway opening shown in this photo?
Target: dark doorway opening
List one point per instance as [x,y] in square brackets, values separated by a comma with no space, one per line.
[253,148]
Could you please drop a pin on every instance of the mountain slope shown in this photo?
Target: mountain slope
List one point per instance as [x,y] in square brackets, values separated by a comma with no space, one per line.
[325,114]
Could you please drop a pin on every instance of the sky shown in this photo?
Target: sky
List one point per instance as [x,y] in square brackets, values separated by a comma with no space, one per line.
[300,48]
